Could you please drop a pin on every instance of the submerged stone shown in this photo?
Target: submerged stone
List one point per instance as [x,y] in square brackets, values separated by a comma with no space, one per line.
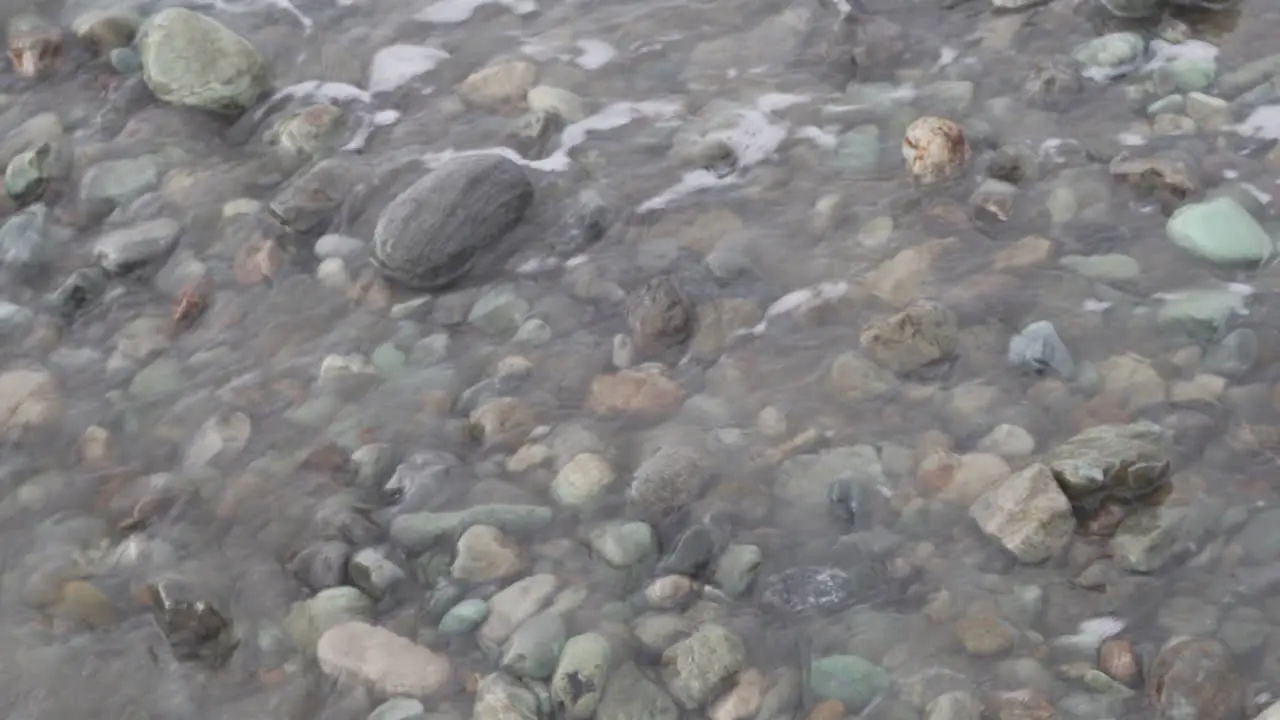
[1220,231]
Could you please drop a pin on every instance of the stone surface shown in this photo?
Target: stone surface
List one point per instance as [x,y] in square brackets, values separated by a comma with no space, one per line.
[388,662]
[1027,514]
[432,234]
[191,59]
[1220,231]
[701,665]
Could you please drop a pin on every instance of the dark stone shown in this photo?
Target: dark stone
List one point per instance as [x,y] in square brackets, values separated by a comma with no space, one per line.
[433,233]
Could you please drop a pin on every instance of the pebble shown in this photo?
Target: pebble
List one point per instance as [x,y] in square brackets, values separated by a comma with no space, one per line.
[698,665]
[464,617]
[388,662]
[1220,231]
[582,480]
[534,646]
[484,554]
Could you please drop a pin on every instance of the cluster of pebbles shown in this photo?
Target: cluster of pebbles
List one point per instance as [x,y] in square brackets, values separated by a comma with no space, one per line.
[371,429]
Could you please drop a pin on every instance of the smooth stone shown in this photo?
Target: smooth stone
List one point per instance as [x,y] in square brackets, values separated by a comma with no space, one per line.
[1200,314]
[1220,231]
[393,665]
[1039,348]
[120,251]
[399,708]
[736,569]
[581,675]
[851,679]
[1111,55]
[464,617]
[417,532]
[1107,268]
[193,60]
[533,649]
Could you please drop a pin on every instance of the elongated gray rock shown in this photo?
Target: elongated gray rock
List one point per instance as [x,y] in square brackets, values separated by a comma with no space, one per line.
[430,236]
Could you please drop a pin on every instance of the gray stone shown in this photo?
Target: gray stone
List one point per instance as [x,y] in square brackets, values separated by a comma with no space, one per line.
[400,708]
[700,666]
[581,675]
[630,695]
[417,532]
[533,649]
[736,569]
[1112,55]
[851,679]
[464,617]
[502,697]
[120,251]
[431,235]
[499,311]
[392,665]
[22,238]
[1039,348]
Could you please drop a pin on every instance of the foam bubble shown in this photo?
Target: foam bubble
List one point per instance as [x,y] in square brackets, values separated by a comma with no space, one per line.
[395,65]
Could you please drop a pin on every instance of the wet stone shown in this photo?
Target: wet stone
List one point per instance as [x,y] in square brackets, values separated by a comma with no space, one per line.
[322,565]
[851,679]
[464,617]
[432,234]
[373,572]
[1125,462]
[1195,678]
[1027,514]
[736,569]
[666,482]
[399,708]
[581,675]
[660,316]
[23,240]
[190,59]
[1220,231]
[194,629]
[923,334]
[389,663]
[126,249]
[696,668]
[533,649]
[808,589]
[1038,348]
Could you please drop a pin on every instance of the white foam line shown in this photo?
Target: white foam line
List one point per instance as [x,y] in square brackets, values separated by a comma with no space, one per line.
[609,118]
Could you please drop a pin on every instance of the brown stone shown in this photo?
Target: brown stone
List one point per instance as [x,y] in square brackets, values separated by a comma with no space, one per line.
[634,390]
[1116,658]
[827,710]
[1195,677]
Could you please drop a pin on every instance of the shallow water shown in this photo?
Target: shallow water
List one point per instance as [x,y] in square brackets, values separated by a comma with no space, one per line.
[235,418]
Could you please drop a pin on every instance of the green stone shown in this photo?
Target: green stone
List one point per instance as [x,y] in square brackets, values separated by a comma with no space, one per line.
[1220,231]
[858,151]
[852,680]
[388,359]
[1185,75]
[1200,314]
[192,60]
[160,378]
[26,175]
[464,617]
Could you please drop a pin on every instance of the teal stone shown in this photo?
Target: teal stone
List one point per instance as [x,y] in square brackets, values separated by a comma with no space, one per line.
[1220,231]
[464,617]
[1200,314]
[851,679]
[858,151]
[388,359]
